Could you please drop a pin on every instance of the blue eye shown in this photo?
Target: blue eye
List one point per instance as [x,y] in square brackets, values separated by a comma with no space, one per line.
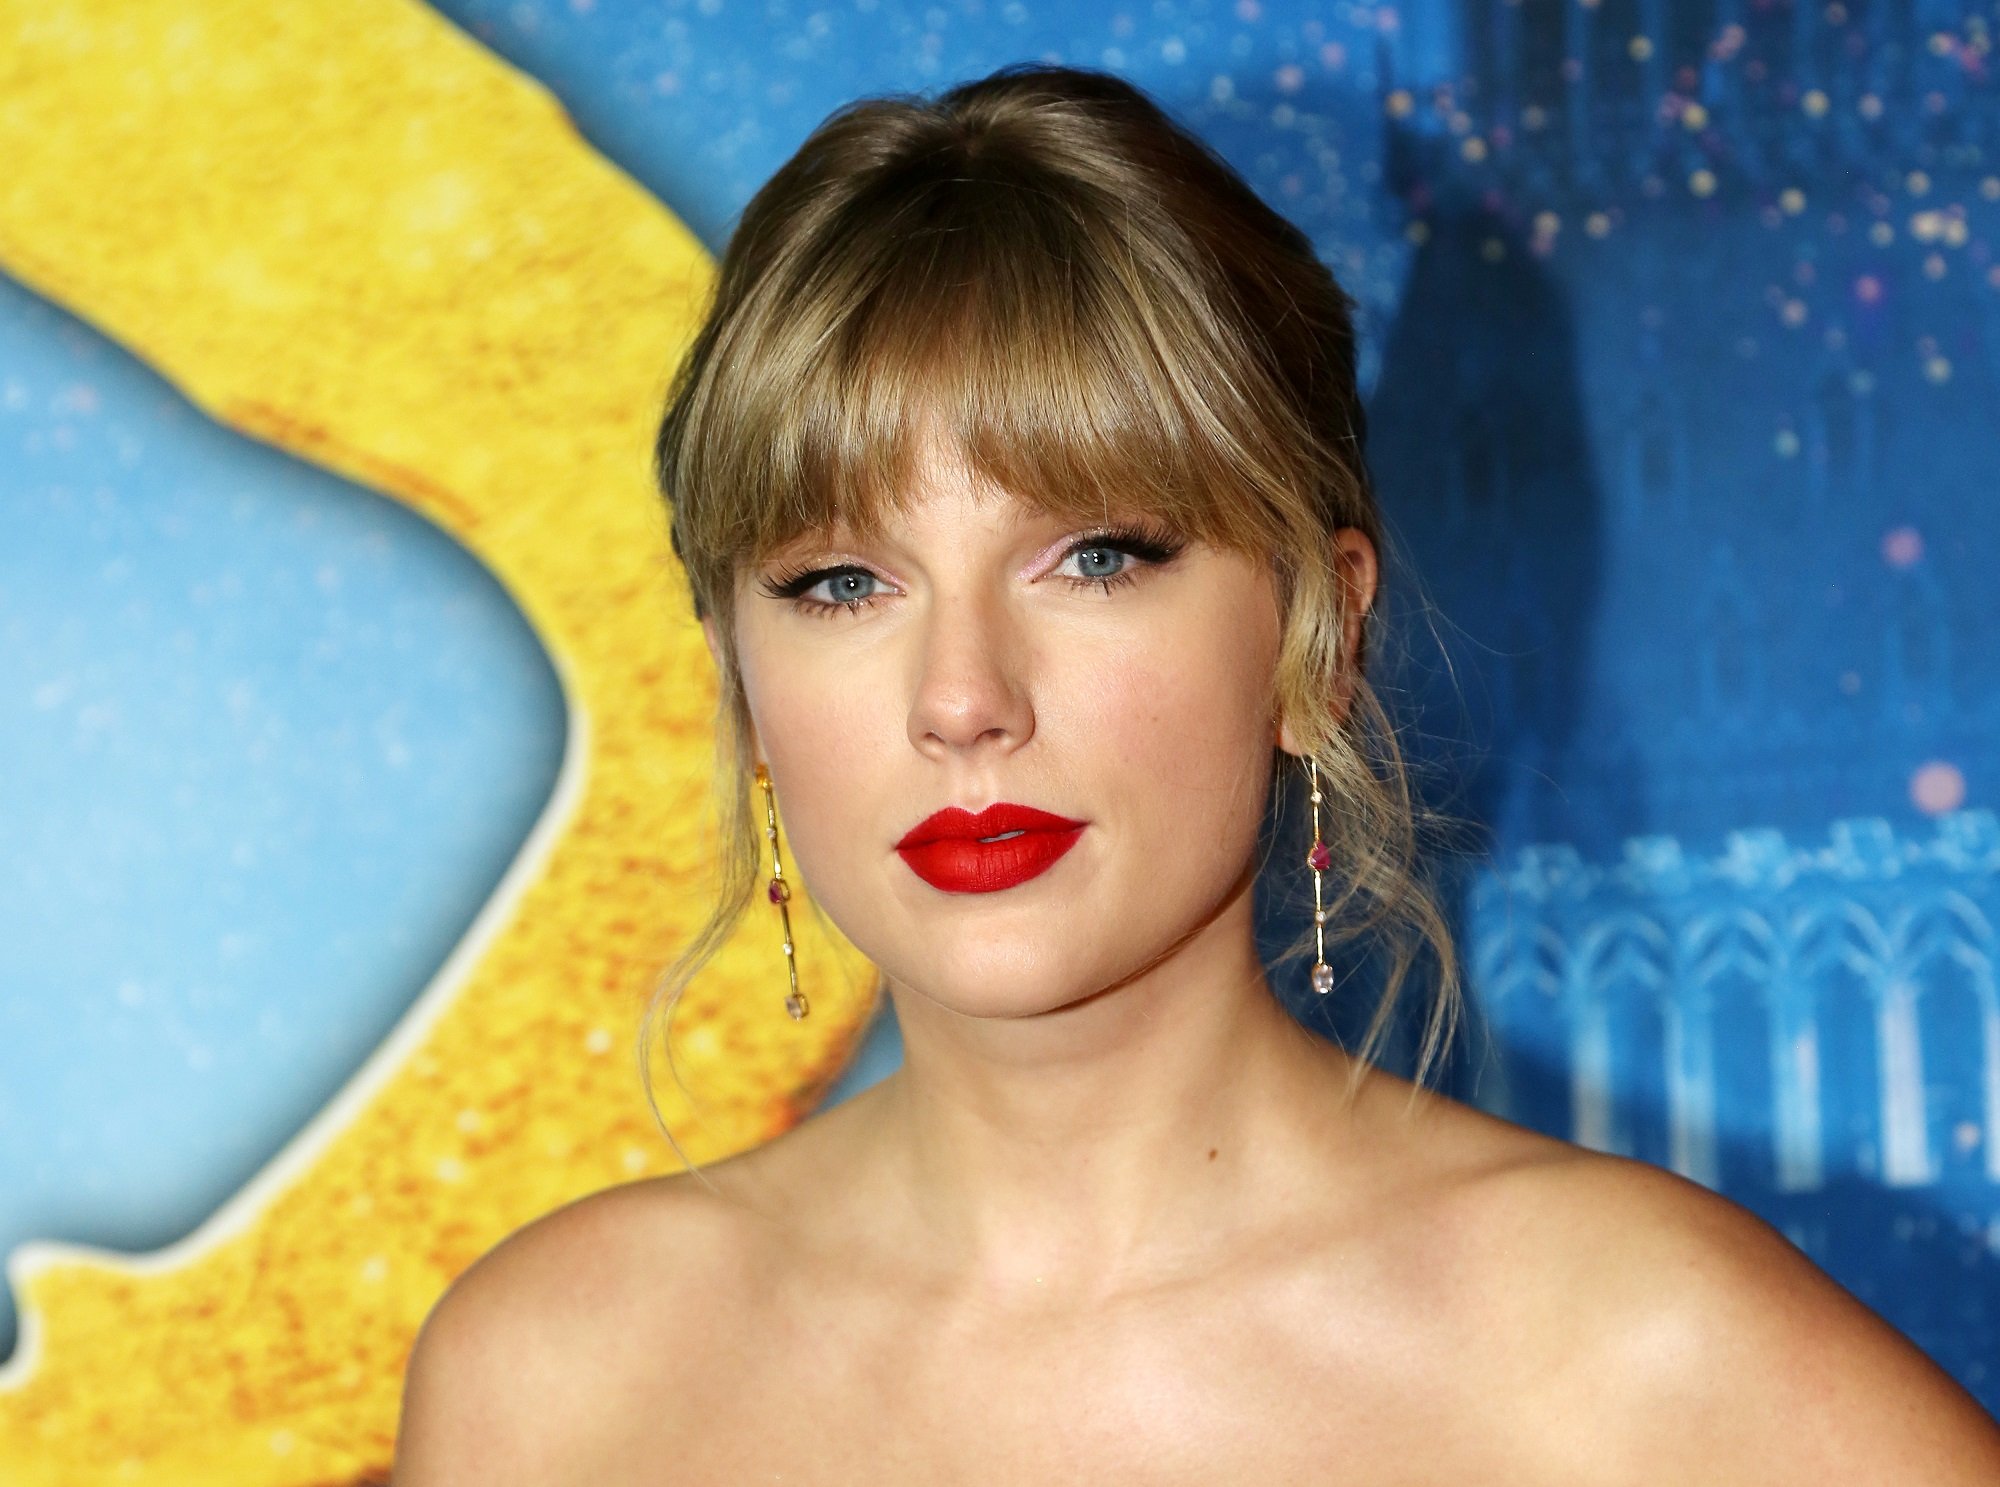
[1153,549]
[849,588]
[1103,558]
[1099,553]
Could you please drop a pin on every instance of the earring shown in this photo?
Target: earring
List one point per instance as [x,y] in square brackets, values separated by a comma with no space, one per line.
[1319,859]
[780,893]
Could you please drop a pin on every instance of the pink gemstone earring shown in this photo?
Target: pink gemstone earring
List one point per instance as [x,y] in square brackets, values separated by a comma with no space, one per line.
[780,893]
[1319,859]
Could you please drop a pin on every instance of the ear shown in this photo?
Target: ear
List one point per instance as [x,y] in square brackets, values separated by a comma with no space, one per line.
[1355,563]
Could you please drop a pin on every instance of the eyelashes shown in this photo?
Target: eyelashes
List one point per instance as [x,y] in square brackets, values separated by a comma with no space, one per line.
[1152,546]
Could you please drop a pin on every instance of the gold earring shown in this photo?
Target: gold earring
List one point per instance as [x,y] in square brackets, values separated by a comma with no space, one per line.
[780,893]
[1319,859]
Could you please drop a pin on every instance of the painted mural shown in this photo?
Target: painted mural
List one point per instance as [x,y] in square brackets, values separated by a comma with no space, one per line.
[357,730]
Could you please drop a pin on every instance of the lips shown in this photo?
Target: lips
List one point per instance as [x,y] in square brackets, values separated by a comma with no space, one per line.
[946,849]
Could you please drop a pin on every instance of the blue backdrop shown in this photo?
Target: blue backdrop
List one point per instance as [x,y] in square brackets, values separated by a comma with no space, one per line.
[1682,326]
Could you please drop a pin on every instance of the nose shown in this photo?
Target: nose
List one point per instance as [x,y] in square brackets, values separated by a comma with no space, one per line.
[970,689]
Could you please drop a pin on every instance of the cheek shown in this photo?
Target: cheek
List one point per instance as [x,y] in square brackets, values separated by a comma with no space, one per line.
[827,741]
[1188,709]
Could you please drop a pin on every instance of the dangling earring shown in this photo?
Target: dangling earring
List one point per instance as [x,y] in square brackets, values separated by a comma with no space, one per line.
[780,893]
[1319,859]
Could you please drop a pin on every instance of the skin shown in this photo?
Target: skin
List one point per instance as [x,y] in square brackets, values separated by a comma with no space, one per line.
[1112,1219]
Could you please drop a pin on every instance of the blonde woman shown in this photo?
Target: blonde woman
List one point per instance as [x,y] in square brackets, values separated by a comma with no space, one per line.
[1018,475]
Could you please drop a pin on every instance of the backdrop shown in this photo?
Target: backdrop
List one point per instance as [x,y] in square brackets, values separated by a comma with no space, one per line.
[356,734]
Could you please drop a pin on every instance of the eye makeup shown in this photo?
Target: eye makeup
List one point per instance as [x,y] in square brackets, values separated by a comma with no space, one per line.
[1153,545]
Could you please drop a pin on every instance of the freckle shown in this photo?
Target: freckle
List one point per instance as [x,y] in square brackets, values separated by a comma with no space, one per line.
[1211,1153]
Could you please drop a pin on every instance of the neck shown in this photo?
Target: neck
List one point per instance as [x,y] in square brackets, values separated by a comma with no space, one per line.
[1116,1142]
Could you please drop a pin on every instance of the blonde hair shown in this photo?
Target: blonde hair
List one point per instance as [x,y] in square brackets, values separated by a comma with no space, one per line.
[1104,316]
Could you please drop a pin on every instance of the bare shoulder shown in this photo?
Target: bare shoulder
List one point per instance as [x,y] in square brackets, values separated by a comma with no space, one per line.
[532,1361]
[1702,1345]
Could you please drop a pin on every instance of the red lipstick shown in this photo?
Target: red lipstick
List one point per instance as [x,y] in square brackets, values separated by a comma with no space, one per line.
[946,850]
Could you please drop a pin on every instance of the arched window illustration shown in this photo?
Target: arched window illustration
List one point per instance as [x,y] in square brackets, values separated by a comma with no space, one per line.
[1732,965]
[1839,434]
[1476,475]
[1916,659]
[1795,1086]
[1620,1077]
[1532,1018]
[1655,462]
[1653,20]
[1579,101]
[1729,677]
[1841,957]
[1531,654]
[1930,71]
[1691,1085]
[1906,1158]
[1950,958]
[1989,331]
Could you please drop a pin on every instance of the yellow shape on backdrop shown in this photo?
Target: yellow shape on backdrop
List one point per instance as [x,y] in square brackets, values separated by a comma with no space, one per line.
[351,231]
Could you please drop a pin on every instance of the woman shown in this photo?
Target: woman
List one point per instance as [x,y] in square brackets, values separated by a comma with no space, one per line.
[1018,477]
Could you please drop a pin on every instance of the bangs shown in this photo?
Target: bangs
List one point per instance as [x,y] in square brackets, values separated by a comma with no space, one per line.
[1004,319]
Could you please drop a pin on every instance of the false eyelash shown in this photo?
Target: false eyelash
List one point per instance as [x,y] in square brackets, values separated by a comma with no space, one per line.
[1152,545]
[793,586]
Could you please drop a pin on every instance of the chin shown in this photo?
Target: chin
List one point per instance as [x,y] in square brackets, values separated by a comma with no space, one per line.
[996,986]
